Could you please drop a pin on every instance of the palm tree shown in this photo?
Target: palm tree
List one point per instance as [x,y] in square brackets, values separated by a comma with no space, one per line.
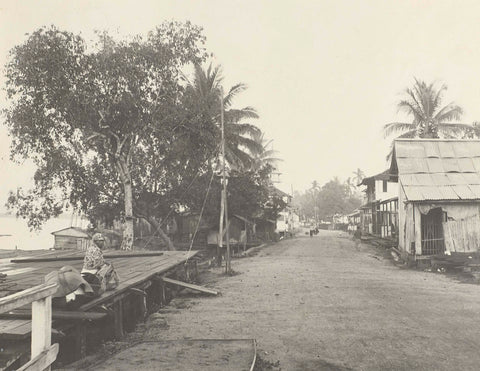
[358,176]
[424,104]
[315,191]
[350,186]
[265,157]
[239,145]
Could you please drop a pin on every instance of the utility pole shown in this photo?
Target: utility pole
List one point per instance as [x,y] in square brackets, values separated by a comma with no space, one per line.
[223,205]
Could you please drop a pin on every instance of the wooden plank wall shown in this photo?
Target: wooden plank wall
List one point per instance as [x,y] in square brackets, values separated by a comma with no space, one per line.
[462,235]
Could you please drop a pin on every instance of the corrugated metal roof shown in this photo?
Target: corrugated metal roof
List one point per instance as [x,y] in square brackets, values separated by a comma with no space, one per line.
[384,175]
[71,232]
[438,169]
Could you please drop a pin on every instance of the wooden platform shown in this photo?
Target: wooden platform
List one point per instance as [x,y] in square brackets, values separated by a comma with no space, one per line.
[134,269]
[131,270]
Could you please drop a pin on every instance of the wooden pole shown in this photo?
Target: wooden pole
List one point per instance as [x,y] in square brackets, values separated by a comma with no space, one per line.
[222,194]
[227,235]
[220,231]
[224,190]
[245,240]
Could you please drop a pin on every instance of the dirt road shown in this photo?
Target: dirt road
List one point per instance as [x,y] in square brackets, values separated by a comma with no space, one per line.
[319,304]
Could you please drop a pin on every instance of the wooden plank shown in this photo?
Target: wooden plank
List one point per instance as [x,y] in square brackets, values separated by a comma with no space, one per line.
[56,314]
[19,332]
[24,297]
[132,272]
[8,324]
[137,278]
[16,272]
[189,286]
[75,257]
[42,361]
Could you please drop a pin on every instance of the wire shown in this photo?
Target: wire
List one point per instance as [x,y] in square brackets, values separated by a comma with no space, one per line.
[171,210]
[183,194]
[200,217]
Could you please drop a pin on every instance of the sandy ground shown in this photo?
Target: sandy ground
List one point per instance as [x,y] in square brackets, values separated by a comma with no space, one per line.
[319,304]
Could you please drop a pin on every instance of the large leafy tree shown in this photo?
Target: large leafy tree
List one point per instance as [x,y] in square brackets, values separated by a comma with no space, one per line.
[423,103]
[93,116]
[331,198]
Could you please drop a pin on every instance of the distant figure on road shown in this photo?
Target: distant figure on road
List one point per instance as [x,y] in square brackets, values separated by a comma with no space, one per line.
[311,233]
[357,236]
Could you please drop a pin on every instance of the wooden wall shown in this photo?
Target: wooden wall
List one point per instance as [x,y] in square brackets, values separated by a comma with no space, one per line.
[462,235]
[65,242]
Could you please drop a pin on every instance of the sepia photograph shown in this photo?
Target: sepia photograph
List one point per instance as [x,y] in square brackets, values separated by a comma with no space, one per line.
[228,185]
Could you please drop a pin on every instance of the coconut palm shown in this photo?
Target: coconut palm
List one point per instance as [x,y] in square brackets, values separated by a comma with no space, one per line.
[358,176]
[239,145]
[424,104]
[265,157]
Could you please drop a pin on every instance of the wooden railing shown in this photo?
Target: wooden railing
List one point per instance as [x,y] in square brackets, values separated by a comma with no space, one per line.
[43,353]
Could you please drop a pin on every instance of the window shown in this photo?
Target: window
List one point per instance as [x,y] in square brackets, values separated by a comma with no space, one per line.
[384,186]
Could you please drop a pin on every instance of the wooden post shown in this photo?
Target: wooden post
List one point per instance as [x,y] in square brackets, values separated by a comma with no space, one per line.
[224,208]
[227,236]
[41,325]
[220,230]
[42,352]
[246,236]
[223,193]
[118,318]
[80,341]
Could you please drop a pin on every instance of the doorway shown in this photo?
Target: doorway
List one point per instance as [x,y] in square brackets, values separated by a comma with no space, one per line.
[433,241]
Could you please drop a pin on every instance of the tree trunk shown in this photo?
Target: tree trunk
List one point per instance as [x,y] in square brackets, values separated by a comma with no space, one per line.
[128,234]
[161,233]
[125,177]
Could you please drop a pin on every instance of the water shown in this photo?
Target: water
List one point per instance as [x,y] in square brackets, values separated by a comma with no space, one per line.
[22,238]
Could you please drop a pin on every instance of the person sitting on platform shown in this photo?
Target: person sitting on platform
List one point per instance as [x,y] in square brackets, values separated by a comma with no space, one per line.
[98,273]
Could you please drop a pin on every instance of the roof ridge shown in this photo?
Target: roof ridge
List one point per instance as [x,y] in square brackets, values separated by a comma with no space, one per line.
[434,140]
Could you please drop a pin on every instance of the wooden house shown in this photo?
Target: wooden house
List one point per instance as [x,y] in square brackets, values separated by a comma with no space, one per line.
[71,238]
[240,231]
[354,220]
[439,195]
[185,226]
[379,212]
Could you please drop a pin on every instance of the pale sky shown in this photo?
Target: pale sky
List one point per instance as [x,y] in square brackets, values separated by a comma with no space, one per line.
[324,75]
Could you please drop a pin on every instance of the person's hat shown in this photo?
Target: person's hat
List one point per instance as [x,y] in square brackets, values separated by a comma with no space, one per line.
[68,280]
[98,237]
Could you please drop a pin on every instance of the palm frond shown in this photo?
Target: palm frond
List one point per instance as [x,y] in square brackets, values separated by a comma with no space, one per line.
[454,129]
[408,134]
[238,158]
[236,115]
[269,153]
[395,127]
[242,129]
[412,109]
[234,91]
[414,103]
[252,146]
[449,112]
[437,98]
